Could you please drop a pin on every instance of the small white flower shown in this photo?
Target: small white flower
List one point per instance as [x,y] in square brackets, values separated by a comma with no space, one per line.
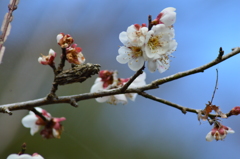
[132,55]
[34,122]
[105,81]
[114,99]
[132,52]
[159,41]
[30,120]
[219,132]
[134,36]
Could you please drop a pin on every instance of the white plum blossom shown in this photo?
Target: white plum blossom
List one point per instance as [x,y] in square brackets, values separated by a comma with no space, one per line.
[135,35]
[52,126]
[219,132]
[25,156]
[159,41]
[30,121]
[132,55]
[154,46]
[108,80]
[132,52]
[159,46]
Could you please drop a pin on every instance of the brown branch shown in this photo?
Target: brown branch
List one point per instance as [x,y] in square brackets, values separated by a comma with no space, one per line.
[69,99]
[182,108]
[140,71]
[190,72]
[62,63]
[6,26]
[150,25]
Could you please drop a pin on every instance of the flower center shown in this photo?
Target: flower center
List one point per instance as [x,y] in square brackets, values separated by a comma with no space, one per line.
[154,43]
[136,51]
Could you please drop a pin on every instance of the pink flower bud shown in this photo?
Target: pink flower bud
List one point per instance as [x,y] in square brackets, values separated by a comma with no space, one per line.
[47,60]
[167,16]
[235,110]
[64,40]
[74,55]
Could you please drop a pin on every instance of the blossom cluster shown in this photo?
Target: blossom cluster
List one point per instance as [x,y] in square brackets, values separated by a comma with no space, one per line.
[52,126]
[73,53]
[154,45]
[109,80]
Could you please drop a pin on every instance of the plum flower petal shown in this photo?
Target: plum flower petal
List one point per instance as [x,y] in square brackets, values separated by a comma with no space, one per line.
[161,64]
[97,87]
[119,98]
[136,64]
[124,55]
[209,136]
[30,120]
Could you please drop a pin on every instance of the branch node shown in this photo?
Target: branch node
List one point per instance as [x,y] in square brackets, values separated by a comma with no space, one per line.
[221,52]
[5,110]
[51,96]
[73,102]
[184,110]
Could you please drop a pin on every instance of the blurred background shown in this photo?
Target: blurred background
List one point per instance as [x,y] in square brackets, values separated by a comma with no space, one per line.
[143,129]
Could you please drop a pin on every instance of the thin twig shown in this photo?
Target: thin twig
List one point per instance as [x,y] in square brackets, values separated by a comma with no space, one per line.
[192,71]
[221,52]
[62,63]
[5,28]
[52,65]
[150,22]
[182,108]
[67,99]
[38,114]
[216,85]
